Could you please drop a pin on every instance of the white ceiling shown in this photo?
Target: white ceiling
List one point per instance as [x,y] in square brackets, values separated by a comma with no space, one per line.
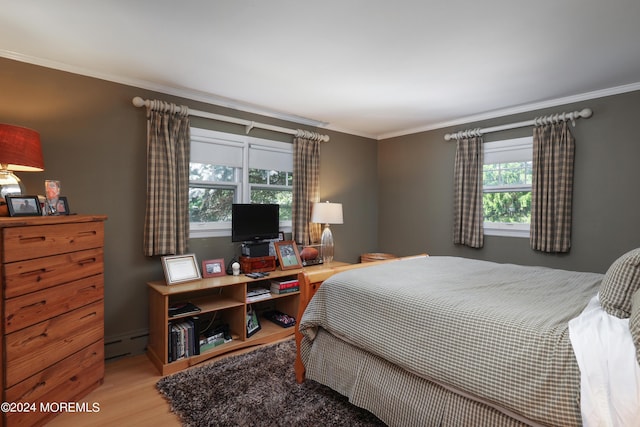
[375,68]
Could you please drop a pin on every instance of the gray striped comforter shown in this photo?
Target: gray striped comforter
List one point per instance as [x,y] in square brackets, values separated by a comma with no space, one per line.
[495,331]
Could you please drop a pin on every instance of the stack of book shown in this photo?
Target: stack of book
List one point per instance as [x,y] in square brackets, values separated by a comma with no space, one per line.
[184,338]
[284,286]
[258,294]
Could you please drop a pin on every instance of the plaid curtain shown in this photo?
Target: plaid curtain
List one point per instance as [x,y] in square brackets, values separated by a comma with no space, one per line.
[306,189]
[166,228]
[552,187]
[468,215]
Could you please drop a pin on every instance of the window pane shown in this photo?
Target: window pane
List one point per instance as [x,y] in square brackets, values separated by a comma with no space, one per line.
[210,204]
[281,197]
[258,176]
[270,177]
[514,173]
[277,178]
[214,173]
[508,206]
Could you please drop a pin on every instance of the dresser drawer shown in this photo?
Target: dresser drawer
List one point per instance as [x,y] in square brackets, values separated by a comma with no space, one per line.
[30,350]
[37,274]
[29,309]
[22,243]
[61,382]
[64,372]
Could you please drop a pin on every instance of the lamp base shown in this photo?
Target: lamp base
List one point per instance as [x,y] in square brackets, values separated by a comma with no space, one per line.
[326,244]
[10,184]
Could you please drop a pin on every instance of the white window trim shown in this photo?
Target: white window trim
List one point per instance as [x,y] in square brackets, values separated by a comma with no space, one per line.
[496,149]
[506,230]
[223,229]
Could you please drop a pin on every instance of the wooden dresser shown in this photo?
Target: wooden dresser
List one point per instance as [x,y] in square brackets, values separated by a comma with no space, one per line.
[52,276]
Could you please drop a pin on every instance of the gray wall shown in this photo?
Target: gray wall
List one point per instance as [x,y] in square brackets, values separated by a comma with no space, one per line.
[396,193]
[93,141]
[415,176]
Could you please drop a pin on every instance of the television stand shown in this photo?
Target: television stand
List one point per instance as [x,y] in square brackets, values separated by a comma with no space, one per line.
[225,299]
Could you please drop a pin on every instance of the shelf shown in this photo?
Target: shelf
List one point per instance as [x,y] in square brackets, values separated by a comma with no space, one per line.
[225,296]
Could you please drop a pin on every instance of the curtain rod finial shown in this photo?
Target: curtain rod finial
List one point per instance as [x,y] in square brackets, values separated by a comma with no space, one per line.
[586,113]
[138,102]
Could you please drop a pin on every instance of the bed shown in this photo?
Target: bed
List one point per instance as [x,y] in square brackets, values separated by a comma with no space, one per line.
[450,341]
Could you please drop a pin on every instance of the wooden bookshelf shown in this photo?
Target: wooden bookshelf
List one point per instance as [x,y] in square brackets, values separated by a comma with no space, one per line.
[223,299]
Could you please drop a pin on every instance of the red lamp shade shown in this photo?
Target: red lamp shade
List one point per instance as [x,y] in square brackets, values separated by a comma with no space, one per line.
[20,149]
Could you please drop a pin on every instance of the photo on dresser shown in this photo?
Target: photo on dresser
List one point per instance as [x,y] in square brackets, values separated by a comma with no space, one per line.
[23,205]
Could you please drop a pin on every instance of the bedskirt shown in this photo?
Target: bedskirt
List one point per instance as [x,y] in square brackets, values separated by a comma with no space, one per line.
[394,395]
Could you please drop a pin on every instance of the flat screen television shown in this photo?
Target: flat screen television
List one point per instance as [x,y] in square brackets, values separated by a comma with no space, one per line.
[254,222]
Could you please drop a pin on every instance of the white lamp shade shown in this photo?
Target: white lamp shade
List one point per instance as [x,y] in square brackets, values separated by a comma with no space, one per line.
[327,213]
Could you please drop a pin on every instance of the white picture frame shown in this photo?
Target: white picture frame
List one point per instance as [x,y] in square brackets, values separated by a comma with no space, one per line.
[180,268]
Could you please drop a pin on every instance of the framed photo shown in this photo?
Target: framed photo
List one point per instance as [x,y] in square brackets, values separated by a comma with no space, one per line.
[62,206]
[288,255]
[253,323]
[213,268]
[180,268]
[23,205]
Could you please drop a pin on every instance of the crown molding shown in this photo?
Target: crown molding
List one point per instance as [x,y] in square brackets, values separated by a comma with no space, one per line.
[516,110]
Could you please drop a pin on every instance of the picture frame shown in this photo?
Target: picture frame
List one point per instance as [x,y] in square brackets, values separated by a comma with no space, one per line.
[288,255]
[62,207]
[253,323]
[213,268]
[180,268]
[23,205]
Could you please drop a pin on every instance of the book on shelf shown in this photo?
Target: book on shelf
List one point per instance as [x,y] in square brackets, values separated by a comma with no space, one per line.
[183,340]
[257,294]
[284,286]
[285,290]
[182,308]
[284,283]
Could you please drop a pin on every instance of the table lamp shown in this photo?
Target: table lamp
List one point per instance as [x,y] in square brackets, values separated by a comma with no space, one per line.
[20,151]
[326,213]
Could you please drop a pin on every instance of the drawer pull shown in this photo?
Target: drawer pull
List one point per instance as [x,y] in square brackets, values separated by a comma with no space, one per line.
[26,307]
[37,272]
[32,390]
[35,304]
[93,314]
[35,337]
[32,239]
[86,261]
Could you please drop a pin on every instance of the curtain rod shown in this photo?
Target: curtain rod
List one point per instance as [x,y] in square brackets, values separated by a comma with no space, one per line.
[248,124]
[553,118]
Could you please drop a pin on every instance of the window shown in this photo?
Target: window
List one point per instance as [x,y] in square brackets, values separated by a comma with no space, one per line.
[507,177]
[228,168]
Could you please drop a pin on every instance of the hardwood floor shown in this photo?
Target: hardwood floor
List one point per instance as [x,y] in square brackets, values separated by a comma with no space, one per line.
[128,397]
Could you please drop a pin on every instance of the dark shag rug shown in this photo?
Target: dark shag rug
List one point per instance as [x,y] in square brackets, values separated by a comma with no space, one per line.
[257,389]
